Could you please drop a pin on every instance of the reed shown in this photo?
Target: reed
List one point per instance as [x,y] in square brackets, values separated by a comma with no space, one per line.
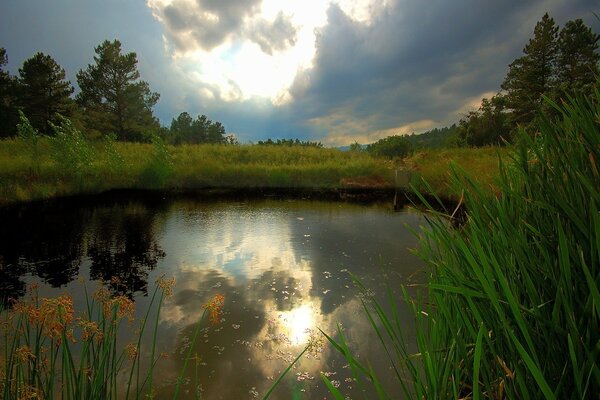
[511,307]
[50,351]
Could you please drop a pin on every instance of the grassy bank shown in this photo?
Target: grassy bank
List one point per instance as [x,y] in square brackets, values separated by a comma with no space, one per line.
[136,165]
[44,168]
[436,166]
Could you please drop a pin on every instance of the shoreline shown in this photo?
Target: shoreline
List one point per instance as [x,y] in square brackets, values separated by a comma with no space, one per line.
[397,198]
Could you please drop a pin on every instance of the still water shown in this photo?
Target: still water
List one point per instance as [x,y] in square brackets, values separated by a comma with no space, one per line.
[282,265]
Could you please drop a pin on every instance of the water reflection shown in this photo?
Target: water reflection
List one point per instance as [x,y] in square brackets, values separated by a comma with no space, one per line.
[281,265]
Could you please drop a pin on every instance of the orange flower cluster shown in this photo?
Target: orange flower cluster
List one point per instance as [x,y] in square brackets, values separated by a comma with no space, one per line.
[24,354]
[123,306]
[90,329]
[166,284]
[56,315]
[132,351]
[215,307]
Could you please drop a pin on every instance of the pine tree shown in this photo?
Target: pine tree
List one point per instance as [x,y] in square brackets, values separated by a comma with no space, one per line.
[113,97]
[44,91]
[532,76]
[577,58]
[9,116]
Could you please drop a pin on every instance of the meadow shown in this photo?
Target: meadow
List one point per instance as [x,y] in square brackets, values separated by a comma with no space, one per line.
[33,168]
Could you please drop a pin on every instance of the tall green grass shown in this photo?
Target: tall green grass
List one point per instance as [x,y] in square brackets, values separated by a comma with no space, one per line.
[34,169]
[512,306]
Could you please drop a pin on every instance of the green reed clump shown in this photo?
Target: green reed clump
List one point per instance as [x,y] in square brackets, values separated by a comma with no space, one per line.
[49,351]
[159,168]
[113,160]
[71,151]
[30,138]
[512,307]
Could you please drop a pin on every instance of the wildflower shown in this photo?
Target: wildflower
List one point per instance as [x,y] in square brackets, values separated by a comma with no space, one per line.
[166,285]
[90,329]
[102,295]
[56,315]
[28,392]
[122,305]
[132,351]
[28,309]
[24,354]
[215,307]
[115,280]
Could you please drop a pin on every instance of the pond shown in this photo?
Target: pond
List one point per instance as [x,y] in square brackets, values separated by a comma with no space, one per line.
[282,266]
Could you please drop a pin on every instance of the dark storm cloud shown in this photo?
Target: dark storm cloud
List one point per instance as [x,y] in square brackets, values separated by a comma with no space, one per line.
[413,61]
[273,36]
[204,23]
[417,61]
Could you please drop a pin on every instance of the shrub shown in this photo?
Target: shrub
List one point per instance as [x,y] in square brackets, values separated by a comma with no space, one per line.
[391,147]
[30,137]
[71,151]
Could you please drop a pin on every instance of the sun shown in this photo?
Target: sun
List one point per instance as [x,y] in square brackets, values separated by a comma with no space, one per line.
[298,323]
[238,69]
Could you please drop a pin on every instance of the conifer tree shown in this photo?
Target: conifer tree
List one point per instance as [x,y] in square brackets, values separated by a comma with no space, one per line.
[577,63]
[532,76]
[8,107]
[113,97]
[44,91]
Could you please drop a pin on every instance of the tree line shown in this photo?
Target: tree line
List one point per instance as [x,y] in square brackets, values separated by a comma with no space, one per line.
[555,65]
[112,100]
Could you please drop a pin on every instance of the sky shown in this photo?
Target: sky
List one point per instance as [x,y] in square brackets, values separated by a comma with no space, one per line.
[334,71]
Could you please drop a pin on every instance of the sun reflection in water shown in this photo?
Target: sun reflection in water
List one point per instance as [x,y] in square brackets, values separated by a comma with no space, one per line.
[298,323]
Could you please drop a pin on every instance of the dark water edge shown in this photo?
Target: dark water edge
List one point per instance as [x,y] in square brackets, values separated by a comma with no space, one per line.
[397,199]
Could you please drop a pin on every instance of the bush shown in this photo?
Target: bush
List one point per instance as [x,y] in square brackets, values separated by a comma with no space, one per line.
[30,137]
[391,147]
[71,151]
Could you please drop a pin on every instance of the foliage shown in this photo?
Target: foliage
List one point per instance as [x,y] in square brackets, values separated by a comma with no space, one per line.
[577,58]
[157,171]
[71,151]
[356,147]
[113,159]
[44,91]
[113,97]
[185,129]
[192,167]
[435,138]
[290,142]
[30,137]
[554,65]
[532,76]
[487,126]
[9,116]
[512,298]
[391,147]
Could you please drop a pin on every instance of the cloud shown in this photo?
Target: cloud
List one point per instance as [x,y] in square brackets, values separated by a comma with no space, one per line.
[273,36]
[412,65]
[368,69]
[205,24]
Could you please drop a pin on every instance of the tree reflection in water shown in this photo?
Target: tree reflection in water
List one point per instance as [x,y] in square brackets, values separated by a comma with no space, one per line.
[51,240]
